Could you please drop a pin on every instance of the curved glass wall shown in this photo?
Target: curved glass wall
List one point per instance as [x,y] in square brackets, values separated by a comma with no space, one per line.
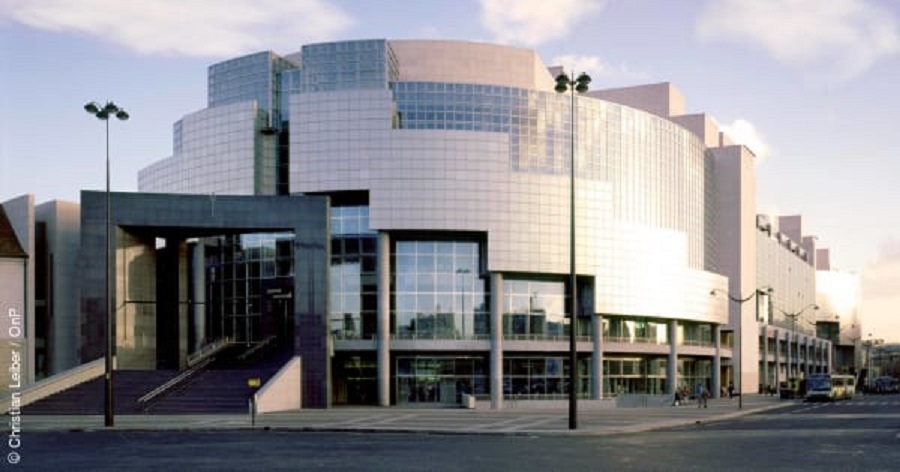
[634,330]
[543,377]
[432,379]
[656,167]
[438,291]
[693,371]
[629,375]
[695,334]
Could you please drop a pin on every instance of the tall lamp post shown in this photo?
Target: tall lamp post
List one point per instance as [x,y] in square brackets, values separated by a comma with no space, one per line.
[740,302]
[793,317]
[565,84]
[105,113]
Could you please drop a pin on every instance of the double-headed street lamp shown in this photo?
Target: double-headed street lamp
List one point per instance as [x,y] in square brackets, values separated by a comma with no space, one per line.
[739,332]
[565,84]
[105,113]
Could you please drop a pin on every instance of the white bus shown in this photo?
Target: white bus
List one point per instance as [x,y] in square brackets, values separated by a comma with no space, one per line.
[830,387]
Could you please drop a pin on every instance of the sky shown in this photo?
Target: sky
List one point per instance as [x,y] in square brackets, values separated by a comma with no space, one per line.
[808,85]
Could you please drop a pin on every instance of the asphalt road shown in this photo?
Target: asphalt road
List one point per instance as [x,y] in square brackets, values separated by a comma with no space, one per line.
[863,434]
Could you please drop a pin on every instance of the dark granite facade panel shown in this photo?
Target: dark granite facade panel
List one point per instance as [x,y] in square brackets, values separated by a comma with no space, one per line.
[184,216]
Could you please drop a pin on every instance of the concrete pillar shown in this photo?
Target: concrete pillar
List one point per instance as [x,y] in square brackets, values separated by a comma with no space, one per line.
[806,358]
[597,358]
[672,376]
[496,341]
[790,358]
[717,362]
[828,365]
[198,297]
[383,342]
[777,376]
[764,335]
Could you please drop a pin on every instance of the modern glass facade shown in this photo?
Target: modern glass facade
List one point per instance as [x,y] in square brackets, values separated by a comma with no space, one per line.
[438,291]
[244,275]
[353,292]
[449,265]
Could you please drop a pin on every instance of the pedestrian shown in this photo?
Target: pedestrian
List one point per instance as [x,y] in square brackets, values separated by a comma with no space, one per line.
[702,395]
[730,389]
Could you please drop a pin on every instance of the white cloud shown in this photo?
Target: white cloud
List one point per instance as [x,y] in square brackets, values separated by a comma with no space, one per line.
[186,27]
[608,74]
[837,38]
[744,132]
[880,280]
[533,22]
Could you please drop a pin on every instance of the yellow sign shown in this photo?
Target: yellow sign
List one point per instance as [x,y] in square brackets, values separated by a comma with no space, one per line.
[253,382]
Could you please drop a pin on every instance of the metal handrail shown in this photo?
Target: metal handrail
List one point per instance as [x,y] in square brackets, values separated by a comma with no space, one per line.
[256,348]
[149,396]
[207,351]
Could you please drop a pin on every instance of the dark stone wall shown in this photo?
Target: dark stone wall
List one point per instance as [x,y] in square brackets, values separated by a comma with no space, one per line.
[178,217]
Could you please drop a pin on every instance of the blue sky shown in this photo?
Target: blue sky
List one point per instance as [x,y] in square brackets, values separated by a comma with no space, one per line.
[808,85]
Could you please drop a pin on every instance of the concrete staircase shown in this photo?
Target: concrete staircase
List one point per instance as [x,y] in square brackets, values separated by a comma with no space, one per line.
[221,387]
[89,397]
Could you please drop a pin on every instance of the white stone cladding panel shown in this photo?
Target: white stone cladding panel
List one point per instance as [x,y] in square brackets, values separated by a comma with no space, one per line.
[441,180]
[218,154]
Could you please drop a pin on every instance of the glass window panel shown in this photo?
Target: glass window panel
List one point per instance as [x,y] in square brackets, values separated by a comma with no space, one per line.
[425,282]
[425,302]
[444,302]
[425,263]
[445,263]
[406,264]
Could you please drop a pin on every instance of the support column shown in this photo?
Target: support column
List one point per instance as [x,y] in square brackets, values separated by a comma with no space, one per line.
[765,359]
[806,358]
[198,297]
[496,341]
[383,343]
[777,375]
[717,363]
[828,349]
[597,358]
[790,358]
[672,375]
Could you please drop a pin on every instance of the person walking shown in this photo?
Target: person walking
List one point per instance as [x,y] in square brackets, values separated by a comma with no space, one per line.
[702,395]
[730,389]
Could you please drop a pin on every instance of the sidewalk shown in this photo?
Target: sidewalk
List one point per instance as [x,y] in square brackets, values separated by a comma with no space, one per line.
[438,421]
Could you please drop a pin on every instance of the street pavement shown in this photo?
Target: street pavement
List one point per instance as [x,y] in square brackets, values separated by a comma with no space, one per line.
[510,421]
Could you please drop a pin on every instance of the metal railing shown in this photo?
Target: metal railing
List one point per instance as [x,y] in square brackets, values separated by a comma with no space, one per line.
[166,387]
[207,351]
[258,347]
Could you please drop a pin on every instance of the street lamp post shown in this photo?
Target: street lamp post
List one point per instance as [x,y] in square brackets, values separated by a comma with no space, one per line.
[104,113]
[565,84]
[740,302]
